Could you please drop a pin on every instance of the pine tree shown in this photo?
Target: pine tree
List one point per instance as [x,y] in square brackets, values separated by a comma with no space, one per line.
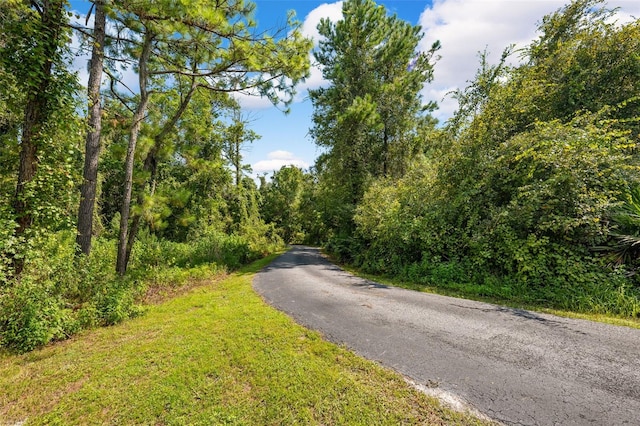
[368,115]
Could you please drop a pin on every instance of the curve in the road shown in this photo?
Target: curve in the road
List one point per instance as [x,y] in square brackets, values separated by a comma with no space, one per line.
[516,366]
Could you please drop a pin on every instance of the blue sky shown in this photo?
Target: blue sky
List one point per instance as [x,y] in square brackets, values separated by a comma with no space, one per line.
[285,138]
[464,28]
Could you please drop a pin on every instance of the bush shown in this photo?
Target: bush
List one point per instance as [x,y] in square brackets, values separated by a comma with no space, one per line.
[116,302]
[523,215]
[31,315]
[344,248]
[59,294]
[9,246]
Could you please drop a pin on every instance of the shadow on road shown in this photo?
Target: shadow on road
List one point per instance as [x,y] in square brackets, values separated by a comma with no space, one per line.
[301,256]
[524,314]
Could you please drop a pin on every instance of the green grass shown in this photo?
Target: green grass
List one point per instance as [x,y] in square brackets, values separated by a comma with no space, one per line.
[474,292]
[215,355]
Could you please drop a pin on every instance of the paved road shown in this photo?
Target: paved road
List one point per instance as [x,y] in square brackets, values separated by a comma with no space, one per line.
[515,366]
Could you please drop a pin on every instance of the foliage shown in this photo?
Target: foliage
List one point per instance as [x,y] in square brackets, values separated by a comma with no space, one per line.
[281,202]
[294,203]
[584,59]
[30,316]
[190,215]
[236,135]
[524,181]
[529,215]
[39,123]
[59,294]
[367,117]
[189,56]
[624,245]
[583,62]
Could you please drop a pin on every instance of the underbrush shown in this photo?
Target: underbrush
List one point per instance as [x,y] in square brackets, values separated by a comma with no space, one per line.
[542,218]
[59,294]
[581,287]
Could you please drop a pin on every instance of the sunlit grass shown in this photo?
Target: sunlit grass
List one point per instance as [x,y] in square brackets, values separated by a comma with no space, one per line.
[215,355]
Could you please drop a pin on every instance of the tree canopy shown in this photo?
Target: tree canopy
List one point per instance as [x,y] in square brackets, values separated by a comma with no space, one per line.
[367,117]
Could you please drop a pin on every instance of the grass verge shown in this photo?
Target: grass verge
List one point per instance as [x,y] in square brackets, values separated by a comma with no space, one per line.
[215,355]
[471,292]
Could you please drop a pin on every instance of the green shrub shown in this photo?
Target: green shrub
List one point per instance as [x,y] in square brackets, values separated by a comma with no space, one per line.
[31,315]
[87,316]
[514,221]
[623,246]
[9,246]
[117,302]
[59,294]
[96,271]
[209,245]
[345,248]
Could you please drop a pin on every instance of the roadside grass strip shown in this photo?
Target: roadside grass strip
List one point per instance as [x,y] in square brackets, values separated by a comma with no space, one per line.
[471,291]
[215,355]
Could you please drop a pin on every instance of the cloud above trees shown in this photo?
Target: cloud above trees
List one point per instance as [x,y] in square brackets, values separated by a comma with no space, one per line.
[275,160]
[464,28]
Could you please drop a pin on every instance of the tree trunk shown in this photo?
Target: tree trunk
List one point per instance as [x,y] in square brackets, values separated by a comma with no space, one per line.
[385,152]
[92,145]
[121,261]
[36,113]
[151,163]
[236,161]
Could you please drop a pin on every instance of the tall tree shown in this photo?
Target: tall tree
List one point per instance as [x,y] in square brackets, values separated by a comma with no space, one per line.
[92,144]
[215,48]
[136,123]
[237,135]
[33,50]
[367,116]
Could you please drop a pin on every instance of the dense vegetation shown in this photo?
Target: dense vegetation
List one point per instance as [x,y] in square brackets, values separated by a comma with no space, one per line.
[530,193]
[146,187]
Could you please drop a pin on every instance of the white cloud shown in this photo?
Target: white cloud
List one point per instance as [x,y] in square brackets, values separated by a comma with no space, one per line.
[252,100]
[275,160]
[466,27]
[333,11]
[280,155]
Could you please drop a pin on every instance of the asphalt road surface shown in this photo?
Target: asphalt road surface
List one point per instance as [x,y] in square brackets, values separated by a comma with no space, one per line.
[514,366]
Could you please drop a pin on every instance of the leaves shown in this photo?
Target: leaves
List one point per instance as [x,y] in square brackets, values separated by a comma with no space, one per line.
[369,115]
[522,182]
